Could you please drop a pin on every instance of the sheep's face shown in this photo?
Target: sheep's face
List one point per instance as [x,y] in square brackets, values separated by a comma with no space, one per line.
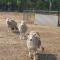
[31,37]
[22,22]
[8,19]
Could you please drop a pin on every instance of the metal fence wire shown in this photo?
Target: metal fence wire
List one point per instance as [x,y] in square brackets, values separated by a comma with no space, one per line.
[29,15]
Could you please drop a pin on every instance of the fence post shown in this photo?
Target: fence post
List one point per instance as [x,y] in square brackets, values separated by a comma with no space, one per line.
[58,19]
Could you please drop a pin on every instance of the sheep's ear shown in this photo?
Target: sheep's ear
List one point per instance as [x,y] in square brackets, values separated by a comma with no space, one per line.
[26,36]
[38,33]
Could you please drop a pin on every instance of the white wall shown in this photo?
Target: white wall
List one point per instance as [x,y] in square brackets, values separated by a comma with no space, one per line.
[49,20]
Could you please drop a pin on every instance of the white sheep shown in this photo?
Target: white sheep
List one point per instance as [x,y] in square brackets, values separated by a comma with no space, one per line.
[33,43]
[22,27]
[11,24]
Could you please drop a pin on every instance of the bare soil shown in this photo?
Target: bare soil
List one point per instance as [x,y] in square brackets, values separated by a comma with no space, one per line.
[12,48]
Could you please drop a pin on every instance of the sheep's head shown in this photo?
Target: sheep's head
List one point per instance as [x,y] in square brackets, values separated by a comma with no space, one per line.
[22,22]
[8,19]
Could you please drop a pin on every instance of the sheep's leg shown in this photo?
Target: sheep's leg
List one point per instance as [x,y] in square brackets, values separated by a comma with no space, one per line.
[35,52]
[9,30]
[24,36]
[42,48]
[20,36]
[29,53]
[14,29]
[34,56]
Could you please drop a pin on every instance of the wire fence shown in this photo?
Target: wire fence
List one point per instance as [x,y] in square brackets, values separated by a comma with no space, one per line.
[29,15]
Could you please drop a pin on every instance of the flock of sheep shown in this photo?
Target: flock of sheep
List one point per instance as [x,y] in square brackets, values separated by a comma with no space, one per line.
[33,37]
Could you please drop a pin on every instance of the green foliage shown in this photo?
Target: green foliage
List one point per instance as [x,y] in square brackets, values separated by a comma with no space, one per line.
[19,5]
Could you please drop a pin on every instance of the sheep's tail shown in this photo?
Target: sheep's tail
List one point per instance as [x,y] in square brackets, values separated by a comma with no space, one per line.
[42,48]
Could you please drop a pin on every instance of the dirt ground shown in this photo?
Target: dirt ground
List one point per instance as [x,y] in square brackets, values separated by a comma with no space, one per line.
[12,48]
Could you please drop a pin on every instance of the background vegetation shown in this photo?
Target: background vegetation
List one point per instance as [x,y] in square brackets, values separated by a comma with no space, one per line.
[20,5]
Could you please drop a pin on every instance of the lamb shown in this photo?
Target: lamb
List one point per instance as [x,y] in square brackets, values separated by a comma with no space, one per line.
[33,43]
[11,24]
[22,27]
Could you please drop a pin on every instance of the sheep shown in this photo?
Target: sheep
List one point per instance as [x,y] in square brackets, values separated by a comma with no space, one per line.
[11,24]
[22,27]
[33,43]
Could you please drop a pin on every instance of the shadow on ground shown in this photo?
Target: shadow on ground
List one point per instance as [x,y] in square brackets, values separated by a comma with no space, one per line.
[46,57]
